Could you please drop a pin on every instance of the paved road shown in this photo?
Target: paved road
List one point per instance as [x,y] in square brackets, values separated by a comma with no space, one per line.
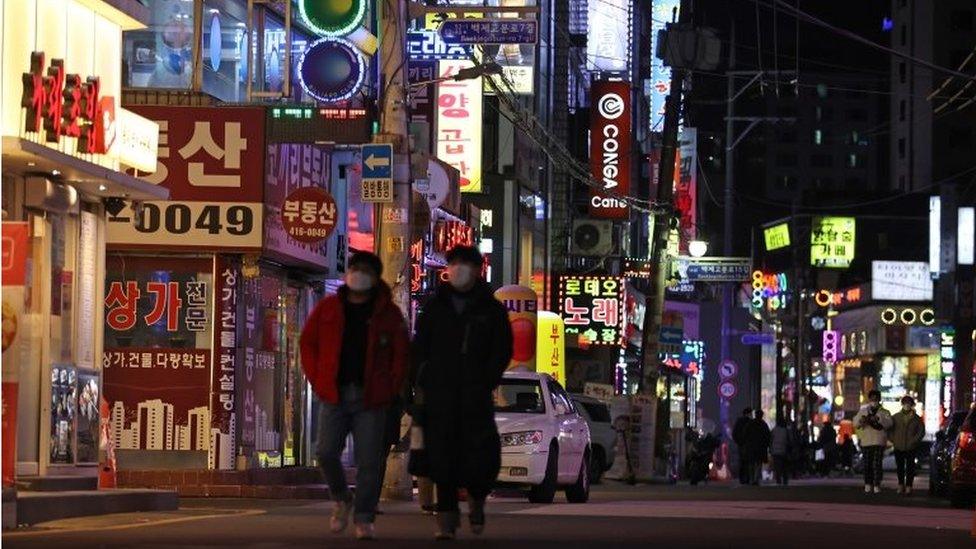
[812,514]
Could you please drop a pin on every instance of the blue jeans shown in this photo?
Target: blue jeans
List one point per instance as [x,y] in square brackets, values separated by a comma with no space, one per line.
[367,426]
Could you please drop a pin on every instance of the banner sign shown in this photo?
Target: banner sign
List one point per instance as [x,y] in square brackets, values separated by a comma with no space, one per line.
[551,346]
[610,148]
[592,308]
[16,250]
[212,161]
[832,242]
[156,362]
[459,128]
[686,186]
[659,86]
[714,269]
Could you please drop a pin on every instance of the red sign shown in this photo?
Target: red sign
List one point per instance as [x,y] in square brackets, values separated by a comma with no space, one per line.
[610,148]
[64,105]
[448,234]
[206,153]
[309,214]
[16,250]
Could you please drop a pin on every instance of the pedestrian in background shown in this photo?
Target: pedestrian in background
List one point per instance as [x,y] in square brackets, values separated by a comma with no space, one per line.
[354,349]
[757,443]
[872,422]
[907,431]
[781,446]
[738,436]
[828,443]
[462,346]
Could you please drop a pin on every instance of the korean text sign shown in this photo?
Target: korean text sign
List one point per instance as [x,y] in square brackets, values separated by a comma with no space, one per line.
[832,241]
[157,356]
[459,131]
[610,148]
[592,308]
[212,161]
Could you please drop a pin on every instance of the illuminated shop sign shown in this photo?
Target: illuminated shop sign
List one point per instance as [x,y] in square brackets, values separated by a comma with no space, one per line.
[690,360]
[947,351]
[769,290]
[907,316]
[427,44]
[900,281]
[610,148]
[832,242]
[459,129]
[331,70]
[636,268]
[657,90]
[840,298]
[777,236]
[332,18]
[608,36]
[592,308]
[830,338]
[448,234]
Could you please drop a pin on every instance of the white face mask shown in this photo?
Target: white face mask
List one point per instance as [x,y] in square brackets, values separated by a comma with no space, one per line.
[460,275]
[359,281]
[907,407]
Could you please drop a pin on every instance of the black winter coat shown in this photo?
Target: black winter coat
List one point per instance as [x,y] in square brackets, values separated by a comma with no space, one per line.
[458,361]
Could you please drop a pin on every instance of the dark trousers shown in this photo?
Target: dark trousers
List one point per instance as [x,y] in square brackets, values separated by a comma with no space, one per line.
[447,497]
[873,471]
[781,470]
[905,463]
[745,469]
[336,422]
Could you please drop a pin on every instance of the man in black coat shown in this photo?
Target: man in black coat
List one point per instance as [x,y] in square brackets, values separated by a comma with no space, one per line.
[738,436]
[756,437]
[462,346]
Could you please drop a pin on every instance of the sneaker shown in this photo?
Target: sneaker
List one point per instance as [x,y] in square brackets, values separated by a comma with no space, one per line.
[867,488]
[877,489]
[340,516]
[365,531]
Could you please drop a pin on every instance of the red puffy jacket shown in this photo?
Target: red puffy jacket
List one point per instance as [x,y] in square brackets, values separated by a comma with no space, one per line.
[387,349]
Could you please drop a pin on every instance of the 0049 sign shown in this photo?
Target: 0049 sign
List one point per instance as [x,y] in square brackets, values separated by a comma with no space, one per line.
[201,224]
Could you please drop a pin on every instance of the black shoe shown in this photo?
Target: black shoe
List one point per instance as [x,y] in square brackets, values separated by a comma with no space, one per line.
[476,516]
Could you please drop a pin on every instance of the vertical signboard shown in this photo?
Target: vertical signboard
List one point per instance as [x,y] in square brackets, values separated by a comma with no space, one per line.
[659,86]
[459,127]
[292,167]
[610,148]
[16,251]
[156,361]
[686,186]
[608,36]
[551,346]
[223,380]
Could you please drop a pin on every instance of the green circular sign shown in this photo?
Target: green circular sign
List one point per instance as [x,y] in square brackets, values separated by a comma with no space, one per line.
[333,17]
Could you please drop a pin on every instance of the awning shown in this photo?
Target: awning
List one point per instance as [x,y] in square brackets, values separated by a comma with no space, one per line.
[24,157]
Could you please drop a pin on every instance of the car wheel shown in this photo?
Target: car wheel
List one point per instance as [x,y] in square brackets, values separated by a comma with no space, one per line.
[598,464]
[580,491]
[546,492]
[960,498]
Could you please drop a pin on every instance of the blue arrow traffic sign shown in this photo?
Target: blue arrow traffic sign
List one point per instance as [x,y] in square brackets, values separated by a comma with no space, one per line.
[377,161]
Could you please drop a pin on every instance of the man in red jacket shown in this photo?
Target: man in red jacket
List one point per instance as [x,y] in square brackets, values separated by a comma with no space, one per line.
[354,353]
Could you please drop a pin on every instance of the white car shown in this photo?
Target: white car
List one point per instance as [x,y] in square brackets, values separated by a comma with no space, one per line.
[545,441]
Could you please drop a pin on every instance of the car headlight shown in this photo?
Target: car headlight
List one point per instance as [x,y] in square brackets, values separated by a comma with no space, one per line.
[521,438]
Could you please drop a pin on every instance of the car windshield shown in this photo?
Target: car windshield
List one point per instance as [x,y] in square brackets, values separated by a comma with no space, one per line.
[520,396]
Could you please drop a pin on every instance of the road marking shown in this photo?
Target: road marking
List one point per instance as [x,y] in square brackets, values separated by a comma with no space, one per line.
[100,528]
[826,513]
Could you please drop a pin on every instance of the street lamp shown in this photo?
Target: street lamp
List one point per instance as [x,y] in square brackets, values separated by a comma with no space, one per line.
[697,248]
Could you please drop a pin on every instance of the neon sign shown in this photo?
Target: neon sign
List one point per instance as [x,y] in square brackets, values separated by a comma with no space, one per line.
[769,290]
[592,308]
[908,316]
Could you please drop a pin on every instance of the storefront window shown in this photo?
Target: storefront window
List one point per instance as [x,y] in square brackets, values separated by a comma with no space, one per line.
[161,55]
[225,49]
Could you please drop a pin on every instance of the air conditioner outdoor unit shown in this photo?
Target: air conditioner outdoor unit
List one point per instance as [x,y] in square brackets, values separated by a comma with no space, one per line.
[592,237]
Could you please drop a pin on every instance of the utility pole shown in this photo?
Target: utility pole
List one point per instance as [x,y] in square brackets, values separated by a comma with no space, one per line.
[393,237]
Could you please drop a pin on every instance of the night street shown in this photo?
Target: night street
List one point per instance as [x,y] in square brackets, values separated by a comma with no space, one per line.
[822,513]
